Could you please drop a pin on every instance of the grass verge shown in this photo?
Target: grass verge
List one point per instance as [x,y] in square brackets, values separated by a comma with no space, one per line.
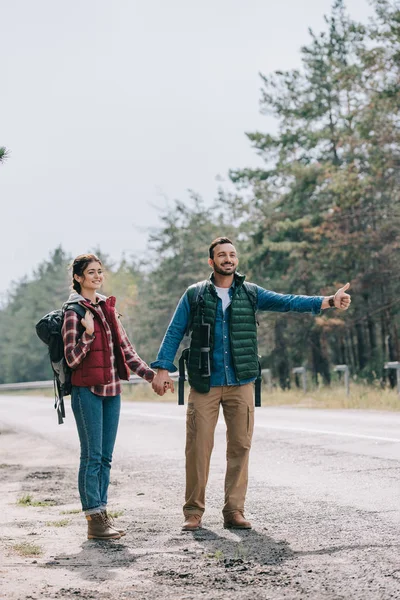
[115,513]
[60,523]
[26,549]
[27,500]
[362,396]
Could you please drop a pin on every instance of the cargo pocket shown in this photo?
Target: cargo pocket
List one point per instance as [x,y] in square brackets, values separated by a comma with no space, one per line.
[190,421]
[250,421]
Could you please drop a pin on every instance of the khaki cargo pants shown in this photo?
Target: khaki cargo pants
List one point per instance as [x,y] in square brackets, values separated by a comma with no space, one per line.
[201,419]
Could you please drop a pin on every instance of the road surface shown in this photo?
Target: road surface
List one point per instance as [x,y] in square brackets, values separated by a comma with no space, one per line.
[323,497]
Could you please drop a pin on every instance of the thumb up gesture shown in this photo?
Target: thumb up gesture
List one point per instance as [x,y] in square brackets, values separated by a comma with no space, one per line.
[341,299]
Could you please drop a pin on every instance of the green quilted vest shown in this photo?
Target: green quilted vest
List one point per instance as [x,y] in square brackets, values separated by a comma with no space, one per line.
[243,331]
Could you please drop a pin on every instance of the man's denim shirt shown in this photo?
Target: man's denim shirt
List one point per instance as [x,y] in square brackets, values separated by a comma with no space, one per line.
[222,369]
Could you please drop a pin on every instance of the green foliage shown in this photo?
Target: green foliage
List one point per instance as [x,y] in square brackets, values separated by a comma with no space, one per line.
[115,514]
[27,500]
[326,208]
[3,154]
[177,258]
[323,210]
[60,523]
[23,356]
[27,549]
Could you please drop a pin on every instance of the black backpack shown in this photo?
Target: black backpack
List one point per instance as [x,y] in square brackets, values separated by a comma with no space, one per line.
[195,296]
[196,293]
[48,330]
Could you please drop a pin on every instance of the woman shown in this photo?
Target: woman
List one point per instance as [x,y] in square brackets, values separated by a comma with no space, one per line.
[99,353]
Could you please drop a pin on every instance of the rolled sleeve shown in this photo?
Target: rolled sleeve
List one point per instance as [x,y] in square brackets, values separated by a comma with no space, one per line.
[316,309]
[86,338]
[272,301]
[173,336]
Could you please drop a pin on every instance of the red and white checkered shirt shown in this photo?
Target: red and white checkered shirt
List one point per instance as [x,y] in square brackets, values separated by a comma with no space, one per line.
[76,348]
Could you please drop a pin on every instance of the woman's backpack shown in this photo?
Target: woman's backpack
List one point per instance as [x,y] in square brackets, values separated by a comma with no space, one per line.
[48,330]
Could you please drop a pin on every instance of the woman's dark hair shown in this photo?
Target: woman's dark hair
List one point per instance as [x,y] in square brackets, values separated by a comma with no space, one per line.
[216,242]
[79,265]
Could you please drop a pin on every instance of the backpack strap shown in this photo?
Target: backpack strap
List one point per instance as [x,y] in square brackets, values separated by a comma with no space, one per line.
[252,293]
[182,376]
[195,296]
[77,308]
[196,292]
[58,391]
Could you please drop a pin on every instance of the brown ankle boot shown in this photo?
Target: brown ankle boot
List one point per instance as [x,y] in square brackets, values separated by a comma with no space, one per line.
[111,523]
[192,522]
[100,529]
[236,520]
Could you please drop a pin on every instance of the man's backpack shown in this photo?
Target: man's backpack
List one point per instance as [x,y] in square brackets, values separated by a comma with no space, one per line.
[196,293]
[48,330]
[195,296]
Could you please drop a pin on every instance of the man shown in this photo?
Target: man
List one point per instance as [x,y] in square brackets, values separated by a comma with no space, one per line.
[222,367]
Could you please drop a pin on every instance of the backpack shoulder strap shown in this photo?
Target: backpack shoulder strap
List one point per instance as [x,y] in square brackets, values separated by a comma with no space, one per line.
[195,296]
[252,293]
[77,308]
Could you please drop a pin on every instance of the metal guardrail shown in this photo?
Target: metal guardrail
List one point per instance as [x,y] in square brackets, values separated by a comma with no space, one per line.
[27,385]
[37,385]
[303,372]
[265,374]
[344,369]
[395,365]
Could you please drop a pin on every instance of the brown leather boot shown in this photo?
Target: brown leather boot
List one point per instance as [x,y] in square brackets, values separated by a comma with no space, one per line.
[192,522]
[100,529]
[236,520]
[111,523]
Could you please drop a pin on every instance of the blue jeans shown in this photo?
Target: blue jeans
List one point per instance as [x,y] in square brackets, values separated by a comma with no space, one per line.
[97,421]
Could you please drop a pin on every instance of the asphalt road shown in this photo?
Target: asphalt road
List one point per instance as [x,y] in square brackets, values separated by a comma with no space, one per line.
[324,487]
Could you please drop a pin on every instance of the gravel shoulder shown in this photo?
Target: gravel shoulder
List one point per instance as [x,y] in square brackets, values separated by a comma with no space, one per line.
[298,549]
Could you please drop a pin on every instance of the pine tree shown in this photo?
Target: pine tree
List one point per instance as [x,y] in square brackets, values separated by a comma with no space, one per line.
[3,154]
[325,207]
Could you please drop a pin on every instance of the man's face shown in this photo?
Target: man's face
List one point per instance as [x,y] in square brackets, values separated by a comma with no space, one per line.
[225,260]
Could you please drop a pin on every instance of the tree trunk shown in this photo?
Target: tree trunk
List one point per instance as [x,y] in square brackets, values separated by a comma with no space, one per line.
[281,358]
[319,359]
[362,357]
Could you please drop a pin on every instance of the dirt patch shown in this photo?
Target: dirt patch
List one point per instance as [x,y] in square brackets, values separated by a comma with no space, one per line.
[154,560]
[44,552]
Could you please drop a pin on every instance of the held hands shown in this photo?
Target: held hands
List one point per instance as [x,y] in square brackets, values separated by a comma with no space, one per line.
[162,382]
[341,299]
[88,322]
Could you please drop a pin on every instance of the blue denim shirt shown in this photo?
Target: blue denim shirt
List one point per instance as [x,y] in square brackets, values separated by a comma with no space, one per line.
[222,369]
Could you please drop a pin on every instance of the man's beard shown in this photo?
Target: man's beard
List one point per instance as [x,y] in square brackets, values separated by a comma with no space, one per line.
[221,271]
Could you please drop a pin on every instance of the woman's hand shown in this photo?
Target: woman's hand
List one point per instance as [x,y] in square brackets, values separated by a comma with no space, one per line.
[162,382]
[88,322]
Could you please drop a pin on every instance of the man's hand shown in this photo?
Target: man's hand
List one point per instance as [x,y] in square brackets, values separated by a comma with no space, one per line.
[162,382]
[341,299]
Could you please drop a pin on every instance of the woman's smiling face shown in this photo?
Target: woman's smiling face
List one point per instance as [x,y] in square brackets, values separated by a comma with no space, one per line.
[92,277]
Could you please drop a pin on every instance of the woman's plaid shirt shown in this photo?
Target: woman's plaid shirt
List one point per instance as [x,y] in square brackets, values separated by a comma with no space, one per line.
[76,348]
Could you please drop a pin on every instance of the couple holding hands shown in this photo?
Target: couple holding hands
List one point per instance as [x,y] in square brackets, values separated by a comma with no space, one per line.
[222,365]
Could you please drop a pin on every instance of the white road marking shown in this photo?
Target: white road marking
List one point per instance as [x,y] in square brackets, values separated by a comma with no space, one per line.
[280,428]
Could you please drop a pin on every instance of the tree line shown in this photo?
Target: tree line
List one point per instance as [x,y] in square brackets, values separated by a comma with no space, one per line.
[323,210]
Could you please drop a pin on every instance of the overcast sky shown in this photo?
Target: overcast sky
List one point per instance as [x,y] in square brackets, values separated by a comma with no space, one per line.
[112,109]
